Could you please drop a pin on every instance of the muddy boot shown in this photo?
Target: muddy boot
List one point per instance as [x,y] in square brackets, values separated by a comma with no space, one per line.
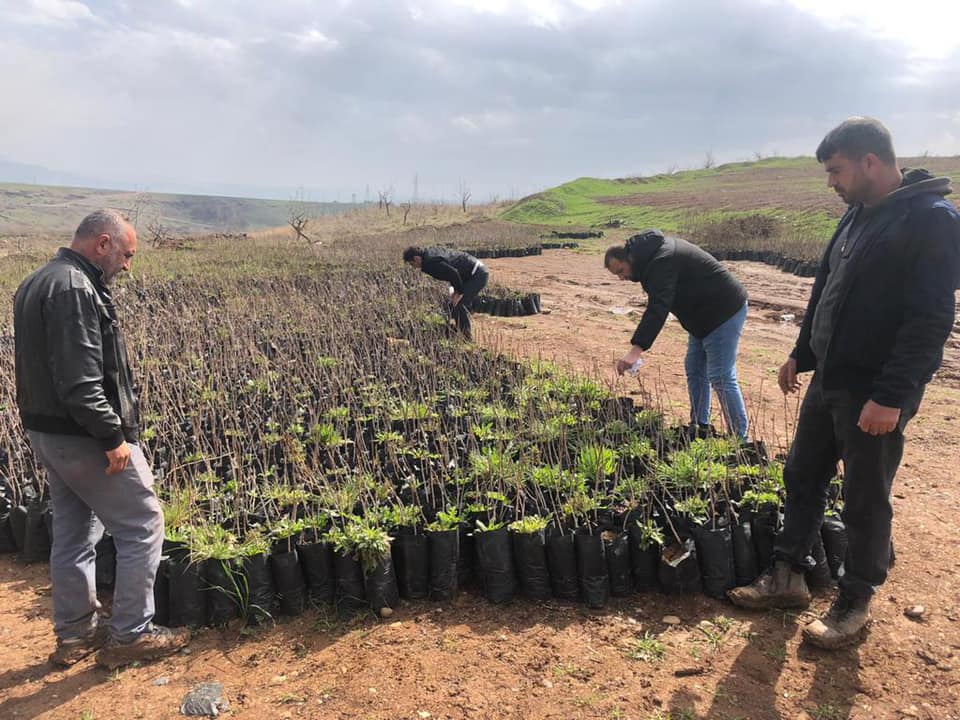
[69,652]
[780,587]
[843,625]
[157,642]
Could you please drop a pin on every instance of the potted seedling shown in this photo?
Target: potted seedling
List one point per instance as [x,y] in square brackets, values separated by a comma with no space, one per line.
[256,593]
[371,544]
[316,558]
[495,559]
[530,555]
[443,538]
[285,565]
[217,551]
[350,591]
[411,553]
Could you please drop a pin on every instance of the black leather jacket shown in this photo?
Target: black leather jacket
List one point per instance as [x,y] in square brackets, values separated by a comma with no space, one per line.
[73,376]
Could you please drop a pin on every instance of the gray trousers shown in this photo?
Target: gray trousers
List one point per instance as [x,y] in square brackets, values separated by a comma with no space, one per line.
[84,496]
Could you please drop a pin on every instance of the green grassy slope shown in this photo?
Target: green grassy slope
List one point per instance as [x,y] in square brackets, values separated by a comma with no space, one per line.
[791,191]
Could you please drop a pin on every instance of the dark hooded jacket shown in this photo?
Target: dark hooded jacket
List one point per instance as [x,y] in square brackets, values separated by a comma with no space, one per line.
[452,266]
[73,376]
[682,279]
[892,307]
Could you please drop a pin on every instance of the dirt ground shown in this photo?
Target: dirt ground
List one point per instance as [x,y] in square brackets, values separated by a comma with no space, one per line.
[553,660]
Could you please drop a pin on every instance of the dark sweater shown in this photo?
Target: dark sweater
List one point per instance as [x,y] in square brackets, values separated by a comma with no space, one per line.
[452,266]
[889,314]
[682,279]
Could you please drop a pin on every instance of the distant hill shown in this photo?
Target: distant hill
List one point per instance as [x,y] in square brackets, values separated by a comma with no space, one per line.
[793,191]
[46,209]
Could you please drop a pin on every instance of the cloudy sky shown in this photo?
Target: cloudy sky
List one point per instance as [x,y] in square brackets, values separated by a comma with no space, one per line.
[508,96]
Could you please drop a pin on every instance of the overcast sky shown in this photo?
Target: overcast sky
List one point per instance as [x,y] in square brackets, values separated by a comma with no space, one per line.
[509,96]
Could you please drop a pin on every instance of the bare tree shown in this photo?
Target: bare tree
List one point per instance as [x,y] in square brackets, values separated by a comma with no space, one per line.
[708,161]
[141,203]
[299,220]
[161,236]
[385,199]
[464,195]
[407,207]
[299,217]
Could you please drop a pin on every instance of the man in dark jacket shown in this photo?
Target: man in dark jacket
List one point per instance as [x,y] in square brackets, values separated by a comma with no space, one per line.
[710,304]
[466,275]
[881,309]
[79,407]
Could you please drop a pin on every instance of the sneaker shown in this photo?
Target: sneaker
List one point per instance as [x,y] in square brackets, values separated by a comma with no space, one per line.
[780,587]
[842,625]
[70,652]
[157,642]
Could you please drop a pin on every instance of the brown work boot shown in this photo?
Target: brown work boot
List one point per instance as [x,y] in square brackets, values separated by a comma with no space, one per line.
[780,587]
[842,625]
[157,642]
[70,652]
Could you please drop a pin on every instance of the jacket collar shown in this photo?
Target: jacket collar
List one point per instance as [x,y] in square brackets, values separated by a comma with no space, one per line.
[94,272]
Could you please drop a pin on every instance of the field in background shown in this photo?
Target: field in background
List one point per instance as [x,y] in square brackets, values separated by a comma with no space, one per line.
[779,204]
[36,210]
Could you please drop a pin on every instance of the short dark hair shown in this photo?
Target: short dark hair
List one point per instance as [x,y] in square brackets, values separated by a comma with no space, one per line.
[411,252]
[857,137]
[616,252]
[100,222]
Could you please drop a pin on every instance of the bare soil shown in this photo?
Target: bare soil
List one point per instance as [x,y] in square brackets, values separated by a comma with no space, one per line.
[554,660]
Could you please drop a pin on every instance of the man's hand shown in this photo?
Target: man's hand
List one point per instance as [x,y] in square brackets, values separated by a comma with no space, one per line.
[118,458]
[788,377]
[878,419]
[625,363]
[456,298]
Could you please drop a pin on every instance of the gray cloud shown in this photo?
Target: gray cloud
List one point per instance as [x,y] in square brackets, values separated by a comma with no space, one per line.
[336,96]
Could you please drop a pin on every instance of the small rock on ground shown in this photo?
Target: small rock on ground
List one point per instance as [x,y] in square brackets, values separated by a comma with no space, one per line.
[205,700]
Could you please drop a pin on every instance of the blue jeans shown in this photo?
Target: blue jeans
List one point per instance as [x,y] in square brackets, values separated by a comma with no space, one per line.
[712,363]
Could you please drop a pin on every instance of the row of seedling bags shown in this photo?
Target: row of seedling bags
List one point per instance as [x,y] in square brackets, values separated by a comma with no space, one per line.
[529,251]
[516,306]
[801,268]
[501,563]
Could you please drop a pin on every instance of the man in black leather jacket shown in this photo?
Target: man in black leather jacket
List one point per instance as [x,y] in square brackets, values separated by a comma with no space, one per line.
[881,309]
[466,275]
[79,407]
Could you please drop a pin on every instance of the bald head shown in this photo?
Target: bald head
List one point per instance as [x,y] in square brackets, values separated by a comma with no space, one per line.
[106,239]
